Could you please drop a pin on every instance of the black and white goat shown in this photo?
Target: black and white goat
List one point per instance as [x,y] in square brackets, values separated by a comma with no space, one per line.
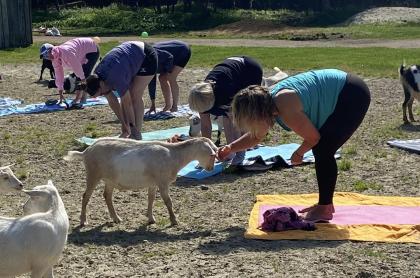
[410,80]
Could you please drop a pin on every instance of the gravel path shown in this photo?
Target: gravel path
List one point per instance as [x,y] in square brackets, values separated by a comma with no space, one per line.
[385,15]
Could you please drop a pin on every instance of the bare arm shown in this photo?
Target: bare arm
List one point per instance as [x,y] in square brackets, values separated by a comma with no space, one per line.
[205,125]
[293,116]
[244,142]
[115,106]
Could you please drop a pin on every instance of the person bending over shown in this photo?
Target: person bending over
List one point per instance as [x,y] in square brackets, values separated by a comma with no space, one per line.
[173,56]
[127,69]
[324,107]
[79,54]
[214,96]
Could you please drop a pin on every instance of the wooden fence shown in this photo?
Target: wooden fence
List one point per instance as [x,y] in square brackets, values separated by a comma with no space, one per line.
[15,23]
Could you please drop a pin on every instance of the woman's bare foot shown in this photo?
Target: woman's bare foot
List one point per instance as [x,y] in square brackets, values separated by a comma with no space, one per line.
[166,108]
[318,213]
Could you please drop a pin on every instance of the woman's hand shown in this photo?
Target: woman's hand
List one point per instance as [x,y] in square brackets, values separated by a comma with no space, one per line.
[173,139]
[223,152]
[296,158]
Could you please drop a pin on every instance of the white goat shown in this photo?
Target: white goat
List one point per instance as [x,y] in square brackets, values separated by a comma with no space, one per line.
[34,243]
[8,181]
[273,80]
[130,164]
[195,126]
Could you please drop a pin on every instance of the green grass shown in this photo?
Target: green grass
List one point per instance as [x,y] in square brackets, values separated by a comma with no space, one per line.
[372,62]
[344,164]
[361,186]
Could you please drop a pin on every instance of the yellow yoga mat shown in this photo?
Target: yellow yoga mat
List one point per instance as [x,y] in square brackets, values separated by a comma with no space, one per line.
[358,217]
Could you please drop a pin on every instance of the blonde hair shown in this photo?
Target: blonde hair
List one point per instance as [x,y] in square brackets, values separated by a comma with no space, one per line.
[251,106]
[201,98]
[97,40]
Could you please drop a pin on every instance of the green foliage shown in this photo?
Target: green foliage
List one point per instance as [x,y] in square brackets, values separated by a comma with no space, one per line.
[111,19]
[123,20]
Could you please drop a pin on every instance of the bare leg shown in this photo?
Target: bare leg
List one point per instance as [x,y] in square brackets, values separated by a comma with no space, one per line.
[232,133]
[138,85]
[164,192]
[78,96]
[108,199]
[174,87]
[151,198]
[166,91]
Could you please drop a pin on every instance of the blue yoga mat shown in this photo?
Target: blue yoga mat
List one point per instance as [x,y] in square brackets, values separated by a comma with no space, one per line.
[264,156]
[183,111]
[265,152]
[14,108]
[150,136]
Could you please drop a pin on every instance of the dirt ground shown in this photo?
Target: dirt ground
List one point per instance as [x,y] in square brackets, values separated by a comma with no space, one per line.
[213,213]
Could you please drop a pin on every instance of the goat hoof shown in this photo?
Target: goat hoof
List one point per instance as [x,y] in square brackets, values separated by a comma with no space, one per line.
[174,223]
[152,221]
[117,220]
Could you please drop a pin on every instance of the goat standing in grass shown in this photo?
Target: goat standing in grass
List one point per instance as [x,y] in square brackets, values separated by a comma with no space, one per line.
[34,243]
[130,164]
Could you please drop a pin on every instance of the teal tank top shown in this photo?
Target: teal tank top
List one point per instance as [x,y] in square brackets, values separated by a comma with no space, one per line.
[318,91]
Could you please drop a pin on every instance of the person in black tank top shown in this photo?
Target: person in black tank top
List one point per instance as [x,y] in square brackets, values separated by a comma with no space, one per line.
[214,96]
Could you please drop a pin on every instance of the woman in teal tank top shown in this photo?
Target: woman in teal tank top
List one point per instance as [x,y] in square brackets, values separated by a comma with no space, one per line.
[324,107]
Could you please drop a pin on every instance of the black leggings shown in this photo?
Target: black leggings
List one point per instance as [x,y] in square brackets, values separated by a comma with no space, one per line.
[352,105]
[92,58]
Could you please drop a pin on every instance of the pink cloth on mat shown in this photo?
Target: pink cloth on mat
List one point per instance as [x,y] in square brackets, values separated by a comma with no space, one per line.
[362,214]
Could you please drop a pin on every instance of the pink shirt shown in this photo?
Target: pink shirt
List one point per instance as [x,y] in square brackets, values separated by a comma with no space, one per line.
[71,54]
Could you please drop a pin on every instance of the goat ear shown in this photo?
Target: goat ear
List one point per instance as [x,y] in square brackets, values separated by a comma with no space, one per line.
[7,166]
[34,193]
[50,183]
[402,68]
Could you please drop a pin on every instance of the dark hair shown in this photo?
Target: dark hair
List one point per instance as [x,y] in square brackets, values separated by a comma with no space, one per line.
[92,84]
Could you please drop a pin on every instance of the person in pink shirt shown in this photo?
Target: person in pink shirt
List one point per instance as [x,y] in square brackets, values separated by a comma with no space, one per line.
[79,55]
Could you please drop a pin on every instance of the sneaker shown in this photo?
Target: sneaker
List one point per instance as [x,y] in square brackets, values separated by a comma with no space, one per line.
[135,134]
[239,157]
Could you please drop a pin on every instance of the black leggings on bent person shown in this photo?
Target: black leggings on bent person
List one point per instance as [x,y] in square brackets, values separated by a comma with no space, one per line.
[352,105]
